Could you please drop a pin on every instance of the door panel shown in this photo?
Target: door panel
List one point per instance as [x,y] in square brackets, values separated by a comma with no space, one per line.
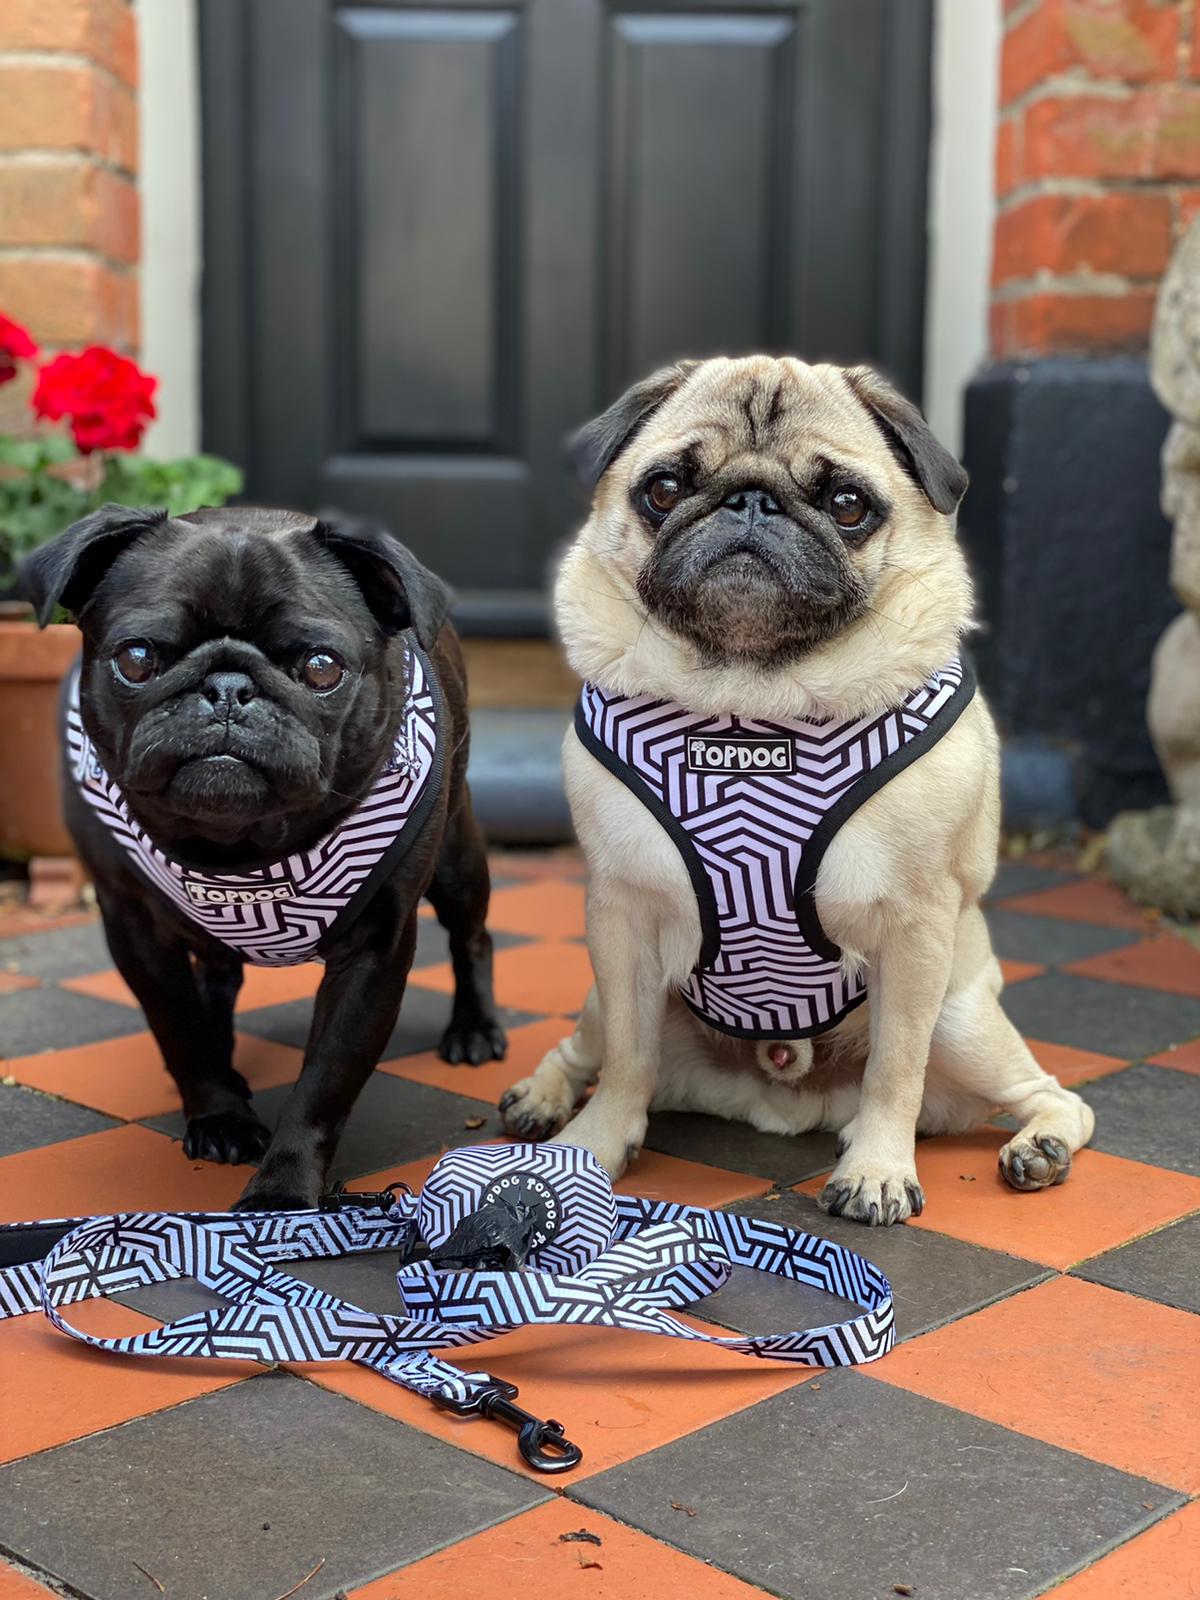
[699,208]
[432,242]
[440,237]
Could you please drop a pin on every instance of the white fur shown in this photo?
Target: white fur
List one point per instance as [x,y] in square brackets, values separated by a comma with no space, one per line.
[897,890]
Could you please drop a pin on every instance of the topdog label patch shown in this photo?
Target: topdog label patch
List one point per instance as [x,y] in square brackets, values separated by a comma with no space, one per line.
[525,1192]
[218,894]
[727,753]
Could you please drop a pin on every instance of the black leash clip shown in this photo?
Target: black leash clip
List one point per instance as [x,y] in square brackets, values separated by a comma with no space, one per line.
[541,1444]
[339,1198]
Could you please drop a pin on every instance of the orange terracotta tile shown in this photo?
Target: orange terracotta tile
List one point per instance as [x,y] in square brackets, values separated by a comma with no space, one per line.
[550,977]
[262,986]
[126,1077]
[567,863]
[52,1388]
[1015,971]
[15,1585]
[122,1169]
[275,986]
[16,924]
[1105,1202]
[1089,900]
[1107,1375]
[617,1394]
[10,982]
[1182,1057]
[1071,1066]
[526,1047]
[663,1177]
[106,985]
[1164,962]
[1165,1560]
[524,1556]
[550,910]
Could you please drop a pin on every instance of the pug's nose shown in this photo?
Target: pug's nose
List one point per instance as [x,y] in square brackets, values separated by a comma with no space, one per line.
[752,501]
[225,690]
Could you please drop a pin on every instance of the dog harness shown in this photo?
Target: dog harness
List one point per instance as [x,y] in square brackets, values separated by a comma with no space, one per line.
[589,1257]
[279,914]
[752,807]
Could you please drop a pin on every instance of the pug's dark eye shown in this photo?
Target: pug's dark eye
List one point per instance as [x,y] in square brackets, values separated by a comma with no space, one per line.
[662,493]
[321,671]
[849,507]
[136,662]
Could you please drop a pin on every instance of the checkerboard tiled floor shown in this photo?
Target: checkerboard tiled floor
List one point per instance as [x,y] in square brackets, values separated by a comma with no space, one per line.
[1040,1420]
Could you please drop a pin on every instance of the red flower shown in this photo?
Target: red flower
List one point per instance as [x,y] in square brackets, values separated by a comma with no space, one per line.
[109,400]
[15,345]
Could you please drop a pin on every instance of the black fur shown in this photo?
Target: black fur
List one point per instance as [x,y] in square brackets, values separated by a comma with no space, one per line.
[598,443]
[244,592]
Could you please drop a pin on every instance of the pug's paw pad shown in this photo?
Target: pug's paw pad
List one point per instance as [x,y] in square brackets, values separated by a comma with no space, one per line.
[877,1201]
[537,1107]
[473,1042]
[1040,1161]
[230,1137]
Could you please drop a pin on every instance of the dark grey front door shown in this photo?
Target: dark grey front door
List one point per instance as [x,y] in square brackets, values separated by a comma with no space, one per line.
[439,237]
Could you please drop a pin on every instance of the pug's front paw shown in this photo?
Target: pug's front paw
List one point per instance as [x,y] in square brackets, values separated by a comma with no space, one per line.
[230,1137]
[537,1107]
[473,1040]
[878,1199]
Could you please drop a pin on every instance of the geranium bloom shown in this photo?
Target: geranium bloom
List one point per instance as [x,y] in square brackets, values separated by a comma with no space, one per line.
[108,399]
[15,345]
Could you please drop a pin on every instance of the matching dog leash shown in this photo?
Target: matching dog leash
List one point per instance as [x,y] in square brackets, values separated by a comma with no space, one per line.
[500,1237]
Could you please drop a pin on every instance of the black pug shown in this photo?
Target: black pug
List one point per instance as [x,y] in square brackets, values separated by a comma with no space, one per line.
[267,753]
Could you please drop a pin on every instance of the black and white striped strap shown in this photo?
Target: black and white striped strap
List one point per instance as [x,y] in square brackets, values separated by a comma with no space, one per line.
[664,1257]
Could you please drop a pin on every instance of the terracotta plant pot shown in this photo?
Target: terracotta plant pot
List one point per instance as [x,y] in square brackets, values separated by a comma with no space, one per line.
[32,666]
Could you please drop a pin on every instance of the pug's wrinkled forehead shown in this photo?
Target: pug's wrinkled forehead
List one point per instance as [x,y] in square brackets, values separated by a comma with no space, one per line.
[729,416]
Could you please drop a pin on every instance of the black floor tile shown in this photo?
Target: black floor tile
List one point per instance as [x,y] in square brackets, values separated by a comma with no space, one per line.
[1051,940]
[1022,877]
[934,1279]
[736,1146]
[29,1119]
[1148,1114]
[1091,1014]
[841,1491]
[424,1014]
[34,1020]
[236,1496]
[393,1121]
[1164,1266]
[60,953]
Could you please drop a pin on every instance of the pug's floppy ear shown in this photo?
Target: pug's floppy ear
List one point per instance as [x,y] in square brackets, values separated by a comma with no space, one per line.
[598,443]
[67,571]
[400,591]
[942,478]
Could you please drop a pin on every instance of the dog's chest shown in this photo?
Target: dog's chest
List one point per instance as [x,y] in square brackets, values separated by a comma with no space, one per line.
[752,807]
[278,914]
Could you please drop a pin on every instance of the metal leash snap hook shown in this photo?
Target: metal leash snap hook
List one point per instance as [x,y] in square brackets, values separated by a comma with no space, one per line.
[339,1198]
[541,1443]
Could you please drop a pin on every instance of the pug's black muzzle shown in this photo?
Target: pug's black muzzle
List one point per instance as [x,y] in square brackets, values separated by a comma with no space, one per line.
[751,581]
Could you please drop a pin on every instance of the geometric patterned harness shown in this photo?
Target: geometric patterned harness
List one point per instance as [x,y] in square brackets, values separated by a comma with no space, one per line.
[596,1259]
[752,807]
[278,914]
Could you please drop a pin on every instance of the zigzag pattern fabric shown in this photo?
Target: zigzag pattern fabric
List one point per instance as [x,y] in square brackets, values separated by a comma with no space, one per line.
[656,1258]
[752,807]
[277,914]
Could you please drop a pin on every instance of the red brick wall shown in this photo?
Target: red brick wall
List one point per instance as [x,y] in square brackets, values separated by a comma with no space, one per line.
[68,170]
[1097,168]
